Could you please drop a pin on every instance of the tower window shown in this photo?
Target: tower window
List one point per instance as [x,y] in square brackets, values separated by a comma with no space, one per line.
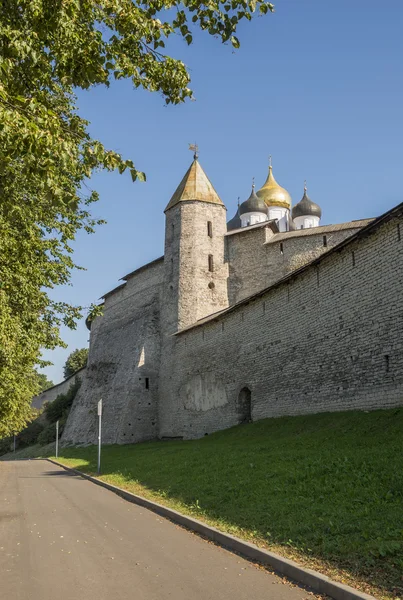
[325,241]
[210,263]
[209,229]
[281,248]
[147,381]
[353,257]
[387,363]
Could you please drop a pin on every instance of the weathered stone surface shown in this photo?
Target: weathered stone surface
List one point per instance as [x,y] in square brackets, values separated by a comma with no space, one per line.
[328,339]
[197,342]
[258,257]
[122,366]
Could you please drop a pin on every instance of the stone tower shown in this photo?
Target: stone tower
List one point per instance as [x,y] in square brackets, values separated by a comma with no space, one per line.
[195,277]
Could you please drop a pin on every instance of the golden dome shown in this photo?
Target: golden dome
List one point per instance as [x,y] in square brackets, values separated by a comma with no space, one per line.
[273,194]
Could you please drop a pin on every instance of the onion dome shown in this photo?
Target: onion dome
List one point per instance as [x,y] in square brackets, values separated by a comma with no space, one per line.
[306,208]
[273,194]
[253,204]
[235,222]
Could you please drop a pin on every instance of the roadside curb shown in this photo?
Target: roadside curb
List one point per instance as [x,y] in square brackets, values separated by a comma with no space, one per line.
[313,579]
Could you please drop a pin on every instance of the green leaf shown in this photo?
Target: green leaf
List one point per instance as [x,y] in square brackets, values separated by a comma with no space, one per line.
[235,42]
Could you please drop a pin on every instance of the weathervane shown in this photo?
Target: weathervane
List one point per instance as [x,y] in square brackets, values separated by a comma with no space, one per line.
[270,161]
[195,148]
[305,188]
[253,183]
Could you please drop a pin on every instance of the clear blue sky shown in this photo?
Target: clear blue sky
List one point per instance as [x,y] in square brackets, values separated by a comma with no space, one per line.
[318,85]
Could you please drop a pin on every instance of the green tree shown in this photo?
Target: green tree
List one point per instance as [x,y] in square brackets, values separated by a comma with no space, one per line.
[47,49]
[75,361]
[43,382]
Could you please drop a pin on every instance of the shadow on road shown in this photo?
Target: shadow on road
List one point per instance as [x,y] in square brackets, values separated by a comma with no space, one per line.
[55,474]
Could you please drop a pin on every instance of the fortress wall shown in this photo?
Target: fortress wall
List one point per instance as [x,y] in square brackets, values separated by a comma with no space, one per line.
[61,388]
[256,259]
[123,366]
[330,338]
[246,255]
[300,250]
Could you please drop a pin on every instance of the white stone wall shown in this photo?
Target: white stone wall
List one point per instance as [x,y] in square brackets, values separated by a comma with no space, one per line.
[328,339]
[123,366]
[256,260]
[306,222]
[252,218]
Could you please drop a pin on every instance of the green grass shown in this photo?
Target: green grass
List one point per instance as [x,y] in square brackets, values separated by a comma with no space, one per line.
[326,490]
[36,451]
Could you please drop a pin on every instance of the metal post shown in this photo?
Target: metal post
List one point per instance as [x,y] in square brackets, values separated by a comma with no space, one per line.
[99,434]
[57,438]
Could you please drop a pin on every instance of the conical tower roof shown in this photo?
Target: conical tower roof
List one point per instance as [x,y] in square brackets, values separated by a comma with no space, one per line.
[195,186]
[273,194]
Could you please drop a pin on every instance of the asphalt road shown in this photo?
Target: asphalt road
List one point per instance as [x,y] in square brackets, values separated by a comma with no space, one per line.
[64,538]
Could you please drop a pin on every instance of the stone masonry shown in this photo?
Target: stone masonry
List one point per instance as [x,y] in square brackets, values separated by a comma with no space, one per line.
[290,322]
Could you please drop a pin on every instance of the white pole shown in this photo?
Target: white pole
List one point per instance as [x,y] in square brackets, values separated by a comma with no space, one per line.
[99,434]
[57,438]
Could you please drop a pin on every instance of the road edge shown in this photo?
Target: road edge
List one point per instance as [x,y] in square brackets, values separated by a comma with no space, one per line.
[313,579]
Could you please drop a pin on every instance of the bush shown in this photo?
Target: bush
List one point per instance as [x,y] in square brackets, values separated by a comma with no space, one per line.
[47,435]
[29,435]
[60,407]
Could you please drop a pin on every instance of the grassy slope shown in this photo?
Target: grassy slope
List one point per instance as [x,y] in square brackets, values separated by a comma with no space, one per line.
[324,489]
[36,451]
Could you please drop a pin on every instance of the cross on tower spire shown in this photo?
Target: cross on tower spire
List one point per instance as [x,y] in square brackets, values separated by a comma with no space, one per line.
[195,148]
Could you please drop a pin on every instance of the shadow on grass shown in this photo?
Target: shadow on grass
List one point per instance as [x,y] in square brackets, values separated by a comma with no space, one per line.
[326,487]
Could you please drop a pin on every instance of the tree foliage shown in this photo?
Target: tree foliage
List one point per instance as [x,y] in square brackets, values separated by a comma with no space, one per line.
[75,361]
[47,49]
[43,382]
[60,407]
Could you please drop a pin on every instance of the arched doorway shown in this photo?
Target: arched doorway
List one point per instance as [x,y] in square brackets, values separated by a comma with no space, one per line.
[245,406]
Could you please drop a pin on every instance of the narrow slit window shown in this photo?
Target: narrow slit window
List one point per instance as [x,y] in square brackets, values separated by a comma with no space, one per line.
[281,248]
[325,241]
[210,263]
[209,229]
[353,257]
[147,381]
[387,363]
[399,236]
